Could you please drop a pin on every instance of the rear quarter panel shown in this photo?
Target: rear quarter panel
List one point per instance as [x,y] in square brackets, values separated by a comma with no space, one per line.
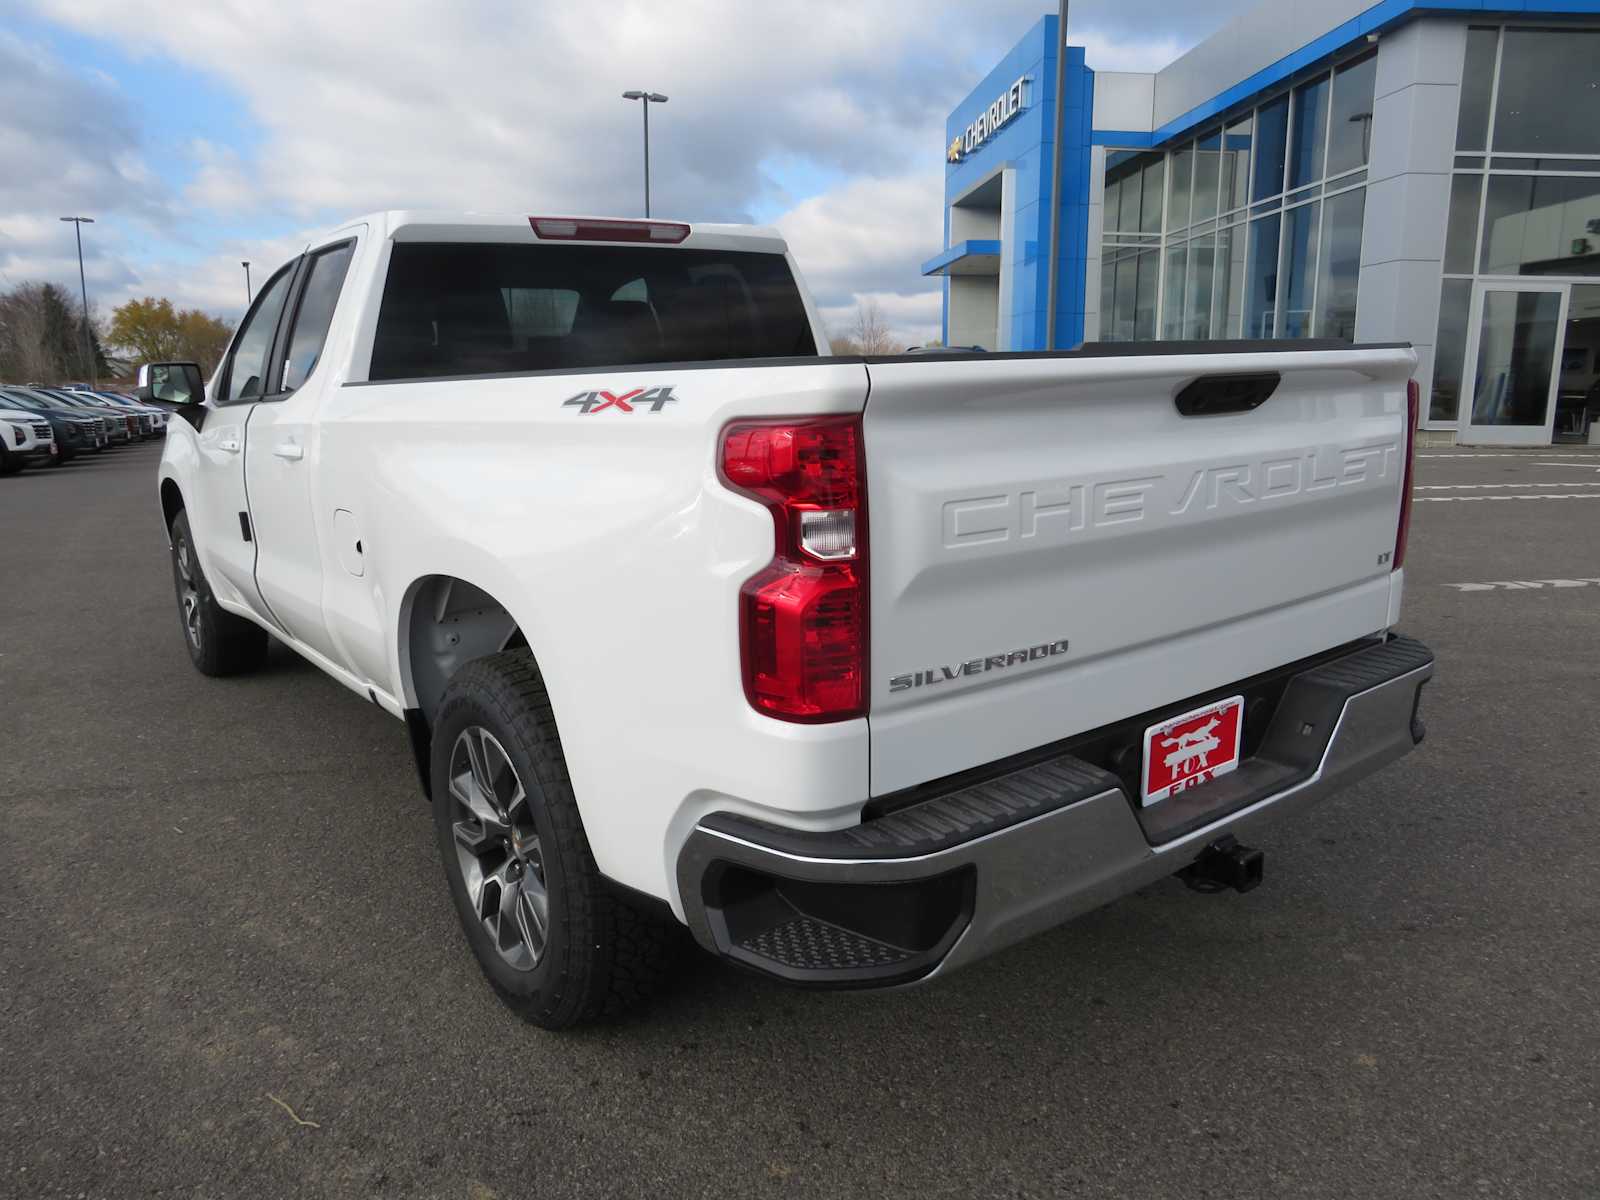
[612,542]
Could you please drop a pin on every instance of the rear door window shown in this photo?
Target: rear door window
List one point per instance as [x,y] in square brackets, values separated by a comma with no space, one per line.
[461,309]
[324,278]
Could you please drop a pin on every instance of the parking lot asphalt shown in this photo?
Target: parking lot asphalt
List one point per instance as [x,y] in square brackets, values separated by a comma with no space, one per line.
[229,967]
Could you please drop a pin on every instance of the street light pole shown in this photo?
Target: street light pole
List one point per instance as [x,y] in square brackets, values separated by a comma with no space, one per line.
[88,354]
[648,98]
[246,265]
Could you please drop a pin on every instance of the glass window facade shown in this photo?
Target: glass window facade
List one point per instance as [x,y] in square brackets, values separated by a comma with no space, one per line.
[1541,224]
[1130,266]
[1339,264]
[1524,203]
[1308,157]
[1263,276]
[1288,266]
[1297,268]
[1449,349]
[1477,89]
[1350,124]
[1548,101]
[1272,128]
[1182,178]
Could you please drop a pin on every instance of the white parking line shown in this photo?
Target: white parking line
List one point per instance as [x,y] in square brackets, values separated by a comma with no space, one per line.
[1454,487]
[1524,585]
[1592,456]
[1543,496]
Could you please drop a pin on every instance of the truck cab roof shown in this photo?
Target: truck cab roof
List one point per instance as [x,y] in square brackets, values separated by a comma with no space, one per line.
[462,225]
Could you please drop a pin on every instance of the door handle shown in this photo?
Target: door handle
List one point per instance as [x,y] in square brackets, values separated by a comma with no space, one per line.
[292,451]
[229,445]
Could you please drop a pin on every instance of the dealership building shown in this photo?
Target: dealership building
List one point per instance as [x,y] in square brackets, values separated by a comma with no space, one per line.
[1400,171]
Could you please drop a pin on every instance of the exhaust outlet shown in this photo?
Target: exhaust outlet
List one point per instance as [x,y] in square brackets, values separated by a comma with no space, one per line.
[1225,864]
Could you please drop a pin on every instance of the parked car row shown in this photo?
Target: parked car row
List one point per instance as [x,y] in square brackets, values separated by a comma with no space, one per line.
[51,426]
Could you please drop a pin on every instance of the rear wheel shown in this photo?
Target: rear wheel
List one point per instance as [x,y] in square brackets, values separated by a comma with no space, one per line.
[219,642]
[557,941]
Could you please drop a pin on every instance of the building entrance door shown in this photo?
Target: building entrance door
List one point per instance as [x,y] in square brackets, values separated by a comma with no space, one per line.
[1513,359]
[1578,394]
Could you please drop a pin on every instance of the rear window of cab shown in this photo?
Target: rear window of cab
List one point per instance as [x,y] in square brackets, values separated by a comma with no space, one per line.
[454,309]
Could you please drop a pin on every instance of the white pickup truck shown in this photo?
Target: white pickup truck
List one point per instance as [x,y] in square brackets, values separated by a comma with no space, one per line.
[859,668]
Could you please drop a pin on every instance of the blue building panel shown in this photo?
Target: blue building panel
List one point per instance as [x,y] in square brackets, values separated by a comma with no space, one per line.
[1024,146]
[940,264]
[1016,142]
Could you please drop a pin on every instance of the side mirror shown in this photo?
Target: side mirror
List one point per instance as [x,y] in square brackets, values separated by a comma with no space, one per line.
[172,382]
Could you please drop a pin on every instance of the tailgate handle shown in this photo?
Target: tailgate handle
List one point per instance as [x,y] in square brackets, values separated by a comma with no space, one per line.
[1214,395]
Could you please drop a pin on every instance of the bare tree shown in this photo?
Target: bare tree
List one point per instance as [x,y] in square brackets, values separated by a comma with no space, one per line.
[868,333]
[41,335]
[871,331]
[28,349]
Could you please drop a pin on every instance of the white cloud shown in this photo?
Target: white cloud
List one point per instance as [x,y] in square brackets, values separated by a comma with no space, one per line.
[488,105]
[1112,52]
[864,240]
[222,182]
[868,229]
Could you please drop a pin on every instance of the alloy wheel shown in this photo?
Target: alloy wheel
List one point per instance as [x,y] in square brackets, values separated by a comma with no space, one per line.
[188,591]
[498,848]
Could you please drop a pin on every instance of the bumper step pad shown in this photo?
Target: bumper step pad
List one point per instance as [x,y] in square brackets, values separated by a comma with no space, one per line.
[808,944]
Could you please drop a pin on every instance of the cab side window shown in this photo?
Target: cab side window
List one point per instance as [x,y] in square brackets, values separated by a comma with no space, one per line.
[324,279]
[247,370]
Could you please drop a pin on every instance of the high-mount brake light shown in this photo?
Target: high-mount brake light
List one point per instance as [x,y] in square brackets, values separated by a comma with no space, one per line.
[594,229]
[1403,529]
[803,617]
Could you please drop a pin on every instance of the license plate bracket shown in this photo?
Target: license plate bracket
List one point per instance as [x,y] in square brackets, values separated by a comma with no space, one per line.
[1190,749]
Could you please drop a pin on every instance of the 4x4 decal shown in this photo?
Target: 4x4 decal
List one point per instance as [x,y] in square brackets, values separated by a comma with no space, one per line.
[598,401]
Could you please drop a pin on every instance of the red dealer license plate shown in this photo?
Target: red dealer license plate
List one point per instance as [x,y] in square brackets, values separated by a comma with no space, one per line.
[1185,751]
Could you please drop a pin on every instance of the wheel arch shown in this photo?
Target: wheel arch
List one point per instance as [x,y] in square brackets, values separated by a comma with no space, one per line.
[171,502]
[445,623]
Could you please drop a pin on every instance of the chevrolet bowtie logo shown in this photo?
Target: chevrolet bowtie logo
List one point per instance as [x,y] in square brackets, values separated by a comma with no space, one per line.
[954,153]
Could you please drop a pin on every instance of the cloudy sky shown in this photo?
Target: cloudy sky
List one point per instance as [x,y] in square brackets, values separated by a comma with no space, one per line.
[201,134]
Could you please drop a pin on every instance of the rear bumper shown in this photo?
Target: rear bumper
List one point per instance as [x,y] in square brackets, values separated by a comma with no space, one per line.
[961,874]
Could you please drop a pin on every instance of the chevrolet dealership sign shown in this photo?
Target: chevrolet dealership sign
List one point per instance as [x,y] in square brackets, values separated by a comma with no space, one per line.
[990,121]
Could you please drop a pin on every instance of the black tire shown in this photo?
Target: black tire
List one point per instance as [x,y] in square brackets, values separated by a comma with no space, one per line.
[219,642]
[601,952]
[10,463]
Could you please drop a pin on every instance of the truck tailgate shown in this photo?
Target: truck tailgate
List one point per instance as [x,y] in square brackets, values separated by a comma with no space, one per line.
[1054,546]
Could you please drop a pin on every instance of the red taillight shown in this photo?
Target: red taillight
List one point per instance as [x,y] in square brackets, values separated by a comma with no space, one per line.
[803,617]
[589,229]
[1403,531]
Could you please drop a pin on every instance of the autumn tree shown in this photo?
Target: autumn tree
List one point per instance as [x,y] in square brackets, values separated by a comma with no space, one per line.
[152,330]
[147,329]
[204,338]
